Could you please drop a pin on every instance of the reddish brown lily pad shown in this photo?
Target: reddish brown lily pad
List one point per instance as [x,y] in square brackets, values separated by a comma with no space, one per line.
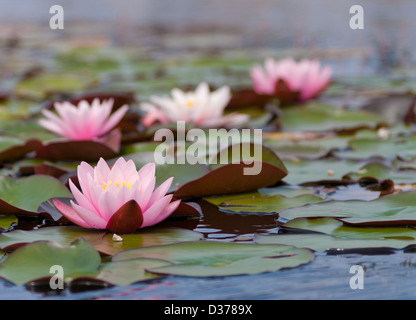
[232,180]
[18,150]
[83,150]
[242,98]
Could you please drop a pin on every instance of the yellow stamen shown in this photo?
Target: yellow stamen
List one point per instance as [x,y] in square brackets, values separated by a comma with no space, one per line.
[118,185]
[189,103]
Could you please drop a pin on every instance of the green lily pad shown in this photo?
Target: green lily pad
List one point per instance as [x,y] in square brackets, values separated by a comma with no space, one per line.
[266,205]
[123,273]
[24,195]
[99,239]
[206,259]
[248,152]
[12,148]
[294,149]
[287,191]
[322,234]
[365,148]
[395,209]
[301,171]
[44,84]
[7,220]
[381,171]
[324,117]
[34,261]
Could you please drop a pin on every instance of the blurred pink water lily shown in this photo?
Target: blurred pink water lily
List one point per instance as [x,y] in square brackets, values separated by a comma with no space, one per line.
[306,78]
[201,107]
[84,121]
[120,199]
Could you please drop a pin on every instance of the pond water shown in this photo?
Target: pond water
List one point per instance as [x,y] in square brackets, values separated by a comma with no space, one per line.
[320,27]
[317,27]
[388,273]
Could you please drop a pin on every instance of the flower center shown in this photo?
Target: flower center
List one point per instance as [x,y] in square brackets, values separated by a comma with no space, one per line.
[189,103]
[117,184]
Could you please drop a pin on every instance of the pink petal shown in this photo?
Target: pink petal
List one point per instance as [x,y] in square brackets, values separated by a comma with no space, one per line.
[101,172]
[151,215]
[145,192]
[84,171]
[116,173]
[80,198]
[170,208]
[113,120]
[110,201]
[52,126]
[91,218]
[153,115]
[70,214]
[160,191]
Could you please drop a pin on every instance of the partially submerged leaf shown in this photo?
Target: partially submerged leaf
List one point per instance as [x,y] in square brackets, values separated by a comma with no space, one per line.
[24,195]
[85,150]
[99,239]
[264,205]
[34,261]
[13,148]
[207,259]
[238,172]
[324,117]
[390,210]
[381,171]
[328,234]
[364,148]
[123,273]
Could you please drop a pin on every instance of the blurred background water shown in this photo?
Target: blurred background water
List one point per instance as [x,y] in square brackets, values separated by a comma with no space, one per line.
[312,26]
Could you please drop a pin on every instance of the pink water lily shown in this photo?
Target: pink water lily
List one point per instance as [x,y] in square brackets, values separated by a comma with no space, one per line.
[120,199]
[84,121]
[201,107]
[305,77]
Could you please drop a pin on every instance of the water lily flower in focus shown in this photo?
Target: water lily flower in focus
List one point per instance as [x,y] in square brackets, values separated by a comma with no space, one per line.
[306,78]
[120,199]
[84,121]
[201,107]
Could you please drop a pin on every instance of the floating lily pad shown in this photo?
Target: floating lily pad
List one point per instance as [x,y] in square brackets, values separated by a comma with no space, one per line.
[99,239]
[266,205]
[12,148]
[24,195]
[42,85]
[123,273]
[293,149]
[248,152]
[365,148]
[85,150]
[322,234]
[287,191]
[324,117]
[236,176]
[34,261]
[301,171]
[395,209]
[381,171]
[206,259]
[7,220]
